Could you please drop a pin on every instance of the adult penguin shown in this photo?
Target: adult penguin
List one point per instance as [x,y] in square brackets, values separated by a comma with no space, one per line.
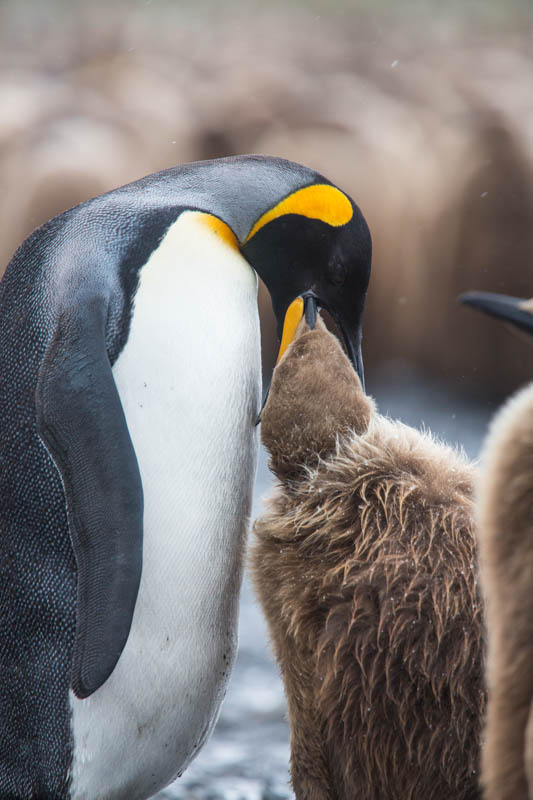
[130,369]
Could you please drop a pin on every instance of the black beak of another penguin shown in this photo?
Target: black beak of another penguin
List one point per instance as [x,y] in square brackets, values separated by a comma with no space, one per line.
[509,309]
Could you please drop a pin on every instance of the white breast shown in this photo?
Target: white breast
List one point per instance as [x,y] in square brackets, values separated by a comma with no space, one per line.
[190,386]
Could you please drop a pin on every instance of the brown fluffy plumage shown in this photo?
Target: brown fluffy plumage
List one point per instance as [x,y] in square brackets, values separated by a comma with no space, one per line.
[506,555]
[365,568]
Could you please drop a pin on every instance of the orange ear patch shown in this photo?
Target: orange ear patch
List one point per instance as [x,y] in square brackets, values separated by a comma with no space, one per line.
[321,201]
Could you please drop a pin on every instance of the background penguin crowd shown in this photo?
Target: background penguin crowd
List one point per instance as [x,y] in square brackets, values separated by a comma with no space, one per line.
[129,396]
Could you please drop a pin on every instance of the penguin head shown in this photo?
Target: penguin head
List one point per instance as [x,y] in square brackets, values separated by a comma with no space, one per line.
[313,249]
[514,310]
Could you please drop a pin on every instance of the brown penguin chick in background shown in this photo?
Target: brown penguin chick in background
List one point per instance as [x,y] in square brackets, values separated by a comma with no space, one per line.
[505,532]
[365,566]
[506,547]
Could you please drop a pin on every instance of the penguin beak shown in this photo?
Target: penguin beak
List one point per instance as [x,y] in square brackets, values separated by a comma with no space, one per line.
[310,309]
[352,340]
[292,319]
[514,310]
[304,306]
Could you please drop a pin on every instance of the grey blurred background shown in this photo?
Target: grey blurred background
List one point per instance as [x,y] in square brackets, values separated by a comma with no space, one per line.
[422,111]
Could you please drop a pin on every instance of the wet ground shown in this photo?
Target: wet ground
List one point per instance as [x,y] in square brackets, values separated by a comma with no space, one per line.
[247,756]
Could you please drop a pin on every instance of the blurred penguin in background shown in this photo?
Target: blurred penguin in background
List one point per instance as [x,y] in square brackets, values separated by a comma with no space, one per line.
[505,531]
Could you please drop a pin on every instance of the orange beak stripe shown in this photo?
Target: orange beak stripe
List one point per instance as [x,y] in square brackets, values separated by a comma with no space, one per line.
[292,319]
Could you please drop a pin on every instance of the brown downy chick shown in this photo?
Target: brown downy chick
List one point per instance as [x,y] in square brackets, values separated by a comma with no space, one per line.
[506,544]
[365,568]
[505,532]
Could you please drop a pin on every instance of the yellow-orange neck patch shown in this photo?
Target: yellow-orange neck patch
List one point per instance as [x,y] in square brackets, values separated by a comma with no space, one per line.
[321,201]
[219,228]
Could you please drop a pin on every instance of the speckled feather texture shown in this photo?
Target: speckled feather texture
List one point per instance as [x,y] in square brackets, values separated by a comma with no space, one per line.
[365,565]
[37,568]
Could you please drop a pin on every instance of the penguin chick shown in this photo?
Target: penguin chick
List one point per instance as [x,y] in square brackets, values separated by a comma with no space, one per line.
[365,565]
[505,533]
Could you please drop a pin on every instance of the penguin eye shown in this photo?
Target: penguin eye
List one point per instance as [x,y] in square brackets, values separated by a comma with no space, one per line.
[337,273]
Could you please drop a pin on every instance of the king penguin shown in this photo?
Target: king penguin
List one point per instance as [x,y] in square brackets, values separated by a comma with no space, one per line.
[129,395]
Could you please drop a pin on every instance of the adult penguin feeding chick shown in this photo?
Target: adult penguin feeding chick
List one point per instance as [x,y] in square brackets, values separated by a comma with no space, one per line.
[130,389]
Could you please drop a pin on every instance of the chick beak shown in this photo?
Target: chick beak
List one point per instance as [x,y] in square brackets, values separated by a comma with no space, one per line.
[310,309]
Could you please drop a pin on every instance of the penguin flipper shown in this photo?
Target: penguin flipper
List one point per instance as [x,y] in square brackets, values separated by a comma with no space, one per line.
[82,424]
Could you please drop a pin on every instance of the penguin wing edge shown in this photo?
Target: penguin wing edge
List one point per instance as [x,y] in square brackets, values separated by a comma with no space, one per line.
[82,424]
